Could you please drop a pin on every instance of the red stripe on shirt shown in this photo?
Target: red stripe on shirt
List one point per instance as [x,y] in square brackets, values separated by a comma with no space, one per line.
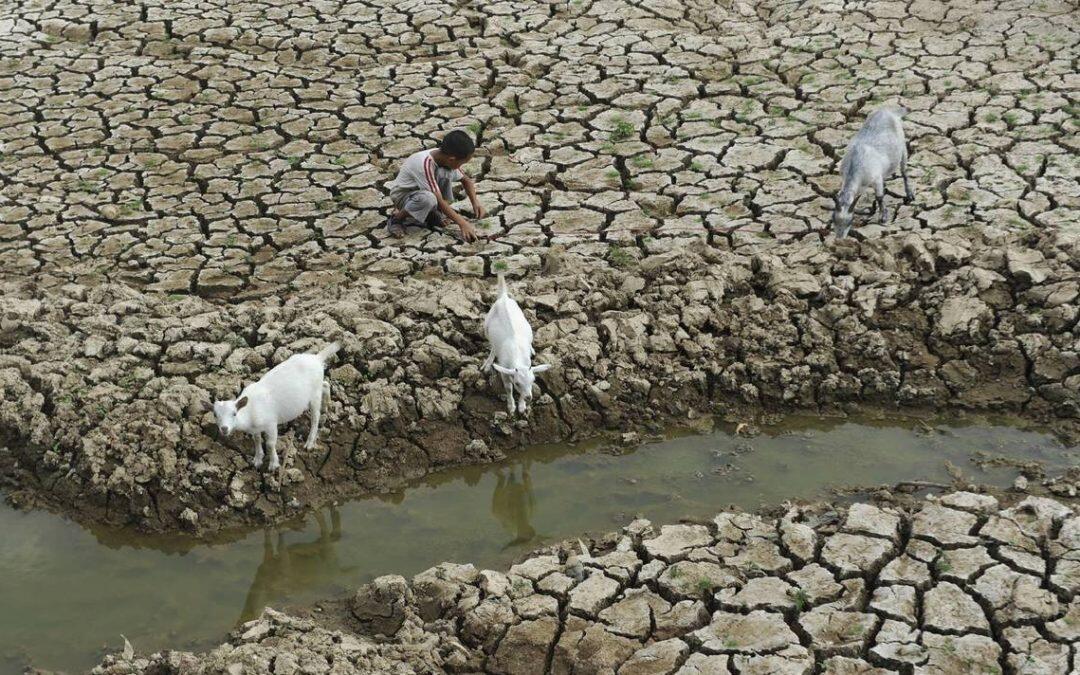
[429,171]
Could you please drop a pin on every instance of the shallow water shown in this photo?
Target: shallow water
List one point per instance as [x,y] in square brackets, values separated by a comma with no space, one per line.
[67,593]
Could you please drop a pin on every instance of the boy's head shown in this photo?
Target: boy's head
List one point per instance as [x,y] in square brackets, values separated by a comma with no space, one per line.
[457,148]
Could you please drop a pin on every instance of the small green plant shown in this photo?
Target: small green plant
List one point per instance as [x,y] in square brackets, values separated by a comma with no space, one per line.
[131,206]
[500,266]
[613,174]
[483,224]
[642,161]
[942,565]
[340,161]
[294,161]
[801,600]
[731,643]
[474,128]
[676,571]
[697,166]
[622,131]
[619,257]
[1010,118]
[512,107]
[704,586]
[990,118]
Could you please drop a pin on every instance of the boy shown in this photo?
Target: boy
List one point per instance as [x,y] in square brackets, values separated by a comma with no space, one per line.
[424,187]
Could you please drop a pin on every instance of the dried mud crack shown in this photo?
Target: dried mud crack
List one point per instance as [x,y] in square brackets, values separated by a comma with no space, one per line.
[189,193]
[951,584]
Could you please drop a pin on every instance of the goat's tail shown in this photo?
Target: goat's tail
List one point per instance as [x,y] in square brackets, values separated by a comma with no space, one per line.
[584,550]
[502,289]
[328,351]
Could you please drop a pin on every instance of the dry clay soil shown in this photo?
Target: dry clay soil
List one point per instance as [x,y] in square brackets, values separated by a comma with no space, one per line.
[191,192]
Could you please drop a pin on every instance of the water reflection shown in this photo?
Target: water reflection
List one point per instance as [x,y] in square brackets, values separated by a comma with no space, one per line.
[512,503]
[294,567]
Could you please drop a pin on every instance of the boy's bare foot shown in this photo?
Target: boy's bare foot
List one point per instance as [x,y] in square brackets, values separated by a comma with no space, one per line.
[395,228]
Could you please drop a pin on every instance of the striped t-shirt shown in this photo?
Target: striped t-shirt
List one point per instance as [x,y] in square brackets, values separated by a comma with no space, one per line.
[420,172]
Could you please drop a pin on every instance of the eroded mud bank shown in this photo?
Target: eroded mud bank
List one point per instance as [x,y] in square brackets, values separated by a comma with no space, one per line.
[107,389]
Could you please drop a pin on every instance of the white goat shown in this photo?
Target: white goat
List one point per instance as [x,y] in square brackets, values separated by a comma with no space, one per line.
[871,158]
[280,396]
[510,337]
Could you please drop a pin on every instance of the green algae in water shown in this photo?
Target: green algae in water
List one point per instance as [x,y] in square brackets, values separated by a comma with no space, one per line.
[69,593]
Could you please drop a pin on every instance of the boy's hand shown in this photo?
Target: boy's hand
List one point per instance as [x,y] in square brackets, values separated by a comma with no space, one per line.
[479,209]
[468,232]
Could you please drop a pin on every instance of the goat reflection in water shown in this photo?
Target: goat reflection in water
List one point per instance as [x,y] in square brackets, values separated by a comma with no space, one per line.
[294,566]
[512,503]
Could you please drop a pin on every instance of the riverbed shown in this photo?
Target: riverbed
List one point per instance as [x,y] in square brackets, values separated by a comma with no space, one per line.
[69,593]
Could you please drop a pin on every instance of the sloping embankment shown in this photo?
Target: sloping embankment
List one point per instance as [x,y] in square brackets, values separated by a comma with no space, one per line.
[106,390]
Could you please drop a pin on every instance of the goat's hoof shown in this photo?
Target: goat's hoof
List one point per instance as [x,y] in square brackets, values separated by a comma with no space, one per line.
[273,467]
[309,445]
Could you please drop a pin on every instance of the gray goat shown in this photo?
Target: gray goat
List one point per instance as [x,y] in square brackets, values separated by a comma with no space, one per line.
[871,158]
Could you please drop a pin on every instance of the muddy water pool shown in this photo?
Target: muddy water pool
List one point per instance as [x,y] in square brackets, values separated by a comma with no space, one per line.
[68,593]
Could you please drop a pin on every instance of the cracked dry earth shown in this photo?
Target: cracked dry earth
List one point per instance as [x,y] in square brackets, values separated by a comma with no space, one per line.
[943,586]
[193,191]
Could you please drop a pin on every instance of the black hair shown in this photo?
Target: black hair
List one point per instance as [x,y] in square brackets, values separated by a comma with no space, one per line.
[458,144]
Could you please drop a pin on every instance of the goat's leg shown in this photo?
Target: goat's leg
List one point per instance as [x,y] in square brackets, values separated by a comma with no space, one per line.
[879,191]
[868,212]
[271,443]
[314,410]
[486,367]
[909,196]
[509,385]
[258,449]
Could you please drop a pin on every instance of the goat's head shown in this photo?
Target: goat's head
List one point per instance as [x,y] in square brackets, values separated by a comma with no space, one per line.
[842,215]
[226,412]
[523,379]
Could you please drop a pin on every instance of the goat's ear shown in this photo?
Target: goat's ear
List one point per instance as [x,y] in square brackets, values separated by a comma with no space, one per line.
[241,403]
[541,368]
[504,371]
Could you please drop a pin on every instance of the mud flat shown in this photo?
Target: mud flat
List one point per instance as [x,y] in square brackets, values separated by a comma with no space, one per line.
[950,583]
[190,193]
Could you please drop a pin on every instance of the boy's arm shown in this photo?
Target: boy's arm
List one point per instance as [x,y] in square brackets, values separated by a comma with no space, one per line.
[470,189]
[468,232]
